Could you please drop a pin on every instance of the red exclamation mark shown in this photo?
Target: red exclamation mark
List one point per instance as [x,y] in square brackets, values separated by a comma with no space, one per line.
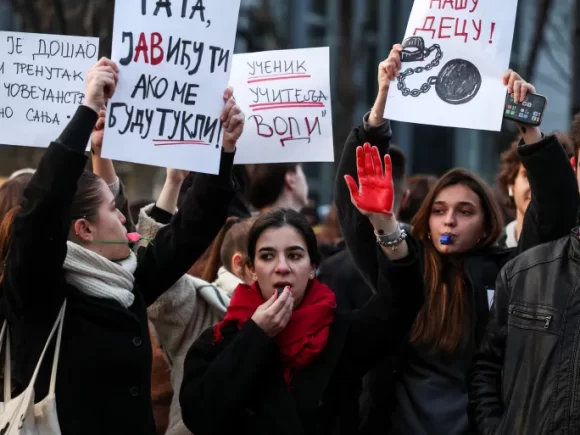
[491,34]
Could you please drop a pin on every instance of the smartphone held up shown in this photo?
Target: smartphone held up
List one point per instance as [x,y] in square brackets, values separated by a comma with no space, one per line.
[530,111]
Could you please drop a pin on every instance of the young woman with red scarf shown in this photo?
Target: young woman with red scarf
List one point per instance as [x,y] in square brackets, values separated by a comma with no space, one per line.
[283,360]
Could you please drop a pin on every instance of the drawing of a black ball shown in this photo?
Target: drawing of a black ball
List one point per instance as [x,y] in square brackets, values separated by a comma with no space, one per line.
[458,82]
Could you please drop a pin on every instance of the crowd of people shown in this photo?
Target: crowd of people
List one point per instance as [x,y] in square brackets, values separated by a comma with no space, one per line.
[421,305]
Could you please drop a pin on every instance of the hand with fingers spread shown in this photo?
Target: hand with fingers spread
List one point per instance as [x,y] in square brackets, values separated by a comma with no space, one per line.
[233,120]
[274,314]
[101,84]
[375,191]
[390,68]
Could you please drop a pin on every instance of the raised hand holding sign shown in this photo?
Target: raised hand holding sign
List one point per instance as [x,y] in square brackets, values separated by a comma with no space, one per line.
[375,191]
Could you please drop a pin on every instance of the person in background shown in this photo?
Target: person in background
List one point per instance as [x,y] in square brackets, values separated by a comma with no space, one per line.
[227,264]
[68,244]
[418,187]
[513,183]
[12,191]
[328,235]
[310,211]
[277,185]
[449,262]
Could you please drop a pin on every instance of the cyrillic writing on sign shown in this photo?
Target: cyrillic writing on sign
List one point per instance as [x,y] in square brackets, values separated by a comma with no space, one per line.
[287,98]
[43,82]
[175,58]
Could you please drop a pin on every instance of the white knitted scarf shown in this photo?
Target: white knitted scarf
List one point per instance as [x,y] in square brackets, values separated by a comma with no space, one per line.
[96,276]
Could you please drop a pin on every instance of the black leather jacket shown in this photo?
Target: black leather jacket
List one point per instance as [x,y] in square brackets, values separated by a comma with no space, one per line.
[526,375]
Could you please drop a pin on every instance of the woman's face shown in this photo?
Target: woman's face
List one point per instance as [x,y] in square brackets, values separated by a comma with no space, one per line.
[456,211]
[521,191]
[108,226]
[282,260]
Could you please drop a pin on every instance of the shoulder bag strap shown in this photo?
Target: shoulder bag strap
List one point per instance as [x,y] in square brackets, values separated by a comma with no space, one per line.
[58,323]
[5,333]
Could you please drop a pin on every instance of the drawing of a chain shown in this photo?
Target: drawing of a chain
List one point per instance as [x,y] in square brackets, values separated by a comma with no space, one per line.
[458,82]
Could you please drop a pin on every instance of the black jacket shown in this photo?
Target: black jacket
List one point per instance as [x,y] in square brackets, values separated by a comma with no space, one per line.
[551,214]
[526,375]
[104,373]
[236,385]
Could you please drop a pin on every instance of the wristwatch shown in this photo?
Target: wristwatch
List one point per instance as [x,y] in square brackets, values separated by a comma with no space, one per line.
[392,240]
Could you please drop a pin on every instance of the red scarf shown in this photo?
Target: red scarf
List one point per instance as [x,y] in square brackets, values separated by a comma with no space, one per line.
[306,334]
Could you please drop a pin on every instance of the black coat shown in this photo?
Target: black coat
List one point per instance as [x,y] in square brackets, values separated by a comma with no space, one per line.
[104,374]
[551,215]
[526,374]
[237,386]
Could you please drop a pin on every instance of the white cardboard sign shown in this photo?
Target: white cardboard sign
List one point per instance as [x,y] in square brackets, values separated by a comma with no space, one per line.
[455,53]
[175,60]
[285,95]
[43,83]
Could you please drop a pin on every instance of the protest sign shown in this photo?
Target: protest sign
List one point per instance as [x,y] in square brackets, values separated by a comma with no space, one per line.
[174,60]
[455,53]
[285,95]
[43,82]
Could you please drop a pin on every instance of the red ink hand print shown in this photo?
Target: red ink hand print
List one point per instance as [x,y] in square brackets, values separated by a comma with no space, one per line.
[375,192]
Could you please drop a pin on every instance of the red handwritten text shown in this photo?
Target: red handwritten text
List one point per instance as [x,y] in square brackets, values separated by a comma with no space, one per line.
[457,5]
[451,27]
[288,128]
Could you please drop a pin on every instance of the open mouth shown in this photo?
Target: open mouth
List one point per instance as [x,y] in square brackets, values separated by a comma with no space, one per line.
[280,286]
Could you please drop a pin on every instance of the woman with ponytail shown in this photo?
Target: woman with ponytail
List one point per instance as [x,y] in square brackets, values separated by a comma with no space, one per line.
[68,242]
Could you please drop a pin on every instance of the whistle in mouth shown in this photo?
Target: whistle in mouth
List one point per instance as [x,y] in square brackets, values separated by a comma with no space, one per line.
[445,239]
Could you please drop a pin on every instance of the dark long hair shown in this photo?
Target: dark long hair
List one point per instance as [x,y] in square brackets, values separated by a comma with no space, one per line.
[280,218]
[442,321]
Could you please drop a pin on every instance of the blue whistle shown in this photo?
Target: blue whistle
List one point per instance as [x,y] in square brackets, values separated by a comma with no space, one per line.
[445,239]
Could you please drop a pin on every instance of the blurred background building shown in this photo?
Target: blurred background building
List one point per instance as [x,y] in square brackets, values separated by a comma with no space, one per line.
[360,34]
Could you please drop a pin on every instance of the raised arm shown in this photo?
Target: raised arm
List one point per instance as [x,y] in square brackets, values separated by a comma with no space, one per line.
[105,169]
[33,271]
[555,199]
[203,212]
[356,228]
[485,403]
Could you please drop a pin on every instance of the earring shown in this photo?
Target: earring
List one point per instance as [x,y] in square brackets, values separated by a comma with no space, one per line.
[312,276]
[510,191]
[429,236]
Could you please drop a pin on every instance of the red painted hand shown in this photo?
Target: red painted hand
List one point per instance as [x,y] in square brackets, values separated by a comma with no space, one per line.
[375,193]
